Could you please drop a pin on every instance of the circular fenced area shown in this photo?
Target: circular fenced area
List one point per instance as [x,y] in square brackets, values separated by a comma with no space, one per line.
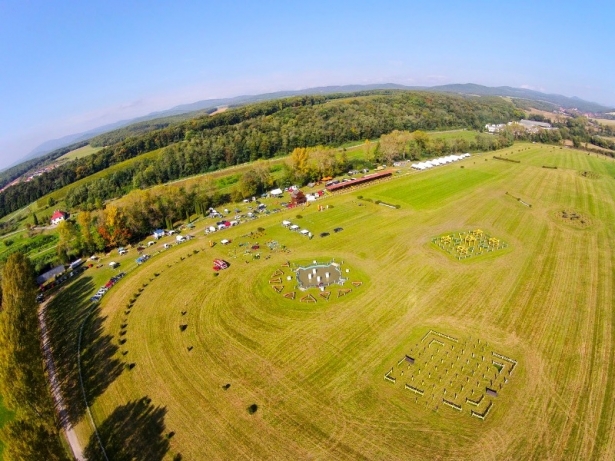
[314,281]
[468,244]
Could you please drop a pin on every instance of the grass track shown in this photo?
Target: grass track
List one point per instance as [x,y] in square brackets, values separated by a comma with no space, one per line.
[316,371]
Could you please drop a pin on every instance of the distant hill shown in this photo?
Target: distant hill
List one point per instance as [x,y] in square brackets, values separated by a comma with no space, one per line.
[522,93]
[185,111]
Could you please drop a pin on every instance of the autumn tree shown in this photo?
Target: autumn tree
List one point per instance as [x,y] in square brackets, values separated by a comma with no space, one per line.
[299,161]
[393,145]
[256,180]
[22,380]
[84,221]
[421,139]
[31,440]
[113,229]
[69,243]
[32,435]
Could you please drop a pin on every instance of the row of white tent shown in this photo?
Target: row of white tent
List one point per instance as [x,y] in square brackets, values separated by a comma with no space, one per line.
[295,227]
[438,161]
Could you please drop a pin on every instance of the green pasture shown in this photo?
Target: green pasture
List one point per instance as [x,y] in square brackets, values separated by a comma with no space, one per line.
[428,191]
[79,153]
[468,135]
[179,360]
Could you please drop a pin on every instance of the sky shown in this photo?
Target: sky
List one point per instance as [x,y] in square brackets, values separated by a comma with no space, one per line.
[70,66]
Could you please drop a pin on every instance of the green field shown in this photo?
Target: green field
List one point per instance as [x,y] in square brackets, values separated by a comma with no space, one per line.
[79,153]
[178,360]
[59,194]
[5,416]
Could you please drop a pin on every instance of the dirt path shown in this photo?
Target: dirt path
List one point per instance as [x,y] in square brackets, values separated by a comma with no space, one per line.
[71,436]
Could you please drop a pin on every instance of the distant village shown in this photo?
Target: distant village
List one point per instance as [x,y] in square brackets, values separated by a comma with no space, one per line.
[30,176]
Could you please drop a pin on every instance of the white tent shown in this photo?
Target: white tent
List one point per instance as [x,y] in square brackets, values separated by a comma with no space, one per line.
[286,223]
[276,192]
[225,241]
[305,232]
[294,227]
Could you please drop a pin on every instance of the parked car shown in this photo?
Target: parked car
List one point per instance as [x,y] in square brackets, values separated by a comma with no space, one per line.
[338,229]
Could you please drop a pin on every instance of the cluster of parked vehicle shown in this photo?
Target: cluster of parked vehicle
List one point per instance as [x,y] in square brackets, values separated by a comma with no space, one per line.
[102,290]
[336,230]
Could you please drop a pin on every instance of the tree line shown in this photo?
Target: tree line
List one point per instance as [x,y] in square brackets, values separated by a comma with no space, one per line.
[33,433]
[265,130]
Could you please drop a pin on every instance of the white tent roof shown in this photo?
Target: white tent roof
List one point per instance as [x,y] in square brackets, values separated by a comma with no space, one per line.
[305,231]
[294,226]
[286,223]
[276,192]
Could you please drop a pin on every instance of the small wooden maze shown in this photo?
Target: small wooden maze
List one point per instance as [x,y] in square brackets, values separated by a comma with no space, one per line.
[465,376]
[464,245]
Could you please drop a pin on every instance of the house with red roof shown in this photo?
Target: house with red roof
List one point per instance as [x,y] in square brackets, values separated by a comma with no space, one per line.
[58,216]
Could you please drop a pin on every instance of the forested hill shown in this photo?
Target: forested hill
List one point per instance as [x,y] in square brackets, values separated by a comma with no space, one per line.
[272,128]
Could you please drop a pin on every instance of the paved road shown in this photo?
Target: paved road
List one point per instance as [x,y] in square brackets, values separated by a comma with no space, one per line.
[69,432]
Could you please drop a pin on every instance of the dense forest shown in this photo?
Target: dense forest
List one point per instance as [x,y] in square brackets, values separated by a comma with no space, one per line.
[269,129]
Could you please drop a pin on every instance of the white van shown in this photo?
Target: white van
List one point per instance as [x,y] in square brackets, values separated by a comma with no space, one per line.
[180,238]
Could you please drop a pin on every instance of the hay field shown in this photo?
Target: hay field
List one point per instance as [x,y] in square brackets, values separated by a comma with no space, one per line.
[316,371]
[604,121]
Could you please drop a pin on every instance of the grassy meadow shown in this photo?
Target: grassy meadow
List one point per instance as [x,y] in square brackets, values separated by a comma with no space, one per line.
[180,361]
[79,153]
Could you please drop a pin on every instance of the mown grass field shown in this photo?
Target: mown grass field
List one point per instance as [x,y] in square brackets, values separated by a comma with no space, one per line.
[315,371]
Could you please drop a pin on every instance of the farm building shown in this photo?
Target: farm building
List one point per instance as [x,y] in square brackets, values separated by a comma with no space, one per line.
[363,180]
[50,275]
[533,126]
[58,216]
[297,197]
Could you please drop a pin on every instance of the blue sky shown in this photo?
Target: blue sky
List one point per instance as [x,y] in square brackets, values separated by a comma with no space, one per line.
[69,66]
